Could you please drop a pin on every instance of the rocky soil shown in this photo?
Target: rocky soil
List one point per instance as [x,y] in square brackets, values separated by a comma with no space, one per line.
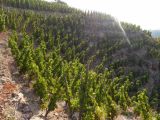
[17,100]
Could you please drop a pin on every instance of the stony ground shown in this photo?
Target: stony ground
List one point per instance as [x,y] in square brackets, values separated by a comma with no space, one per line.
[17,100]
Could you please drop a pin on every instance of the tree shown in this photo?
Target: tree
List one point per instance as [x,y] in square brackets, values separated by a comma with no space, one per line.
[142,107]
[41,89]
[14,46]
[2,21]
[122,98]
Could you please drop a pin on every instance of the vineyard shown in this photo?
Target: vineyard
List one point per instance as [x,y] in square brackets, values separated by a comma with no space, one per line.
[84,59]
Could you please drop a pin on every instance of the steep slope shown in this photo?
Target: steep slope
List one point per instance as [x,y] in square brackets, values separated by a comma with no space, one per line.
[6,86]
[17,100]
[67,54]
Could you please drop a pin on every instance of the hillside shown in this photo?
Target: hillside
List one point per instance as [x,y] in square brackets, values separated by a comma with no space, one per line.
[96,66]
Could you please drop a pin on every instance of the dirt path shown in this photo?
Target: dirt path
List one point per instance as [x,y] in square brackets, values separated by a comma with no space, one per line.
[7,86]
[17,100]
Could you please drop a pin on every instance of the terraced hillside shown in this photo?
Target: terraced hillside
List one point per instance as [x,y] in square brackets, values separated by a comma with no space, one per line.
[97,66]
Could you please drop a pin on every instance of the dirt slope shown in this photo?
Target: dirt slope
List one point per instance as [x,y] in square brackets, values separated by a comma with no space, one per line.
[17,100]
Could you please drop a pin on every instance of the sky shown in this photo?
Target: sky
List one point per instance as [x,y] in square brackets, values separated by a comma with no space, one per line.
[145,13]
